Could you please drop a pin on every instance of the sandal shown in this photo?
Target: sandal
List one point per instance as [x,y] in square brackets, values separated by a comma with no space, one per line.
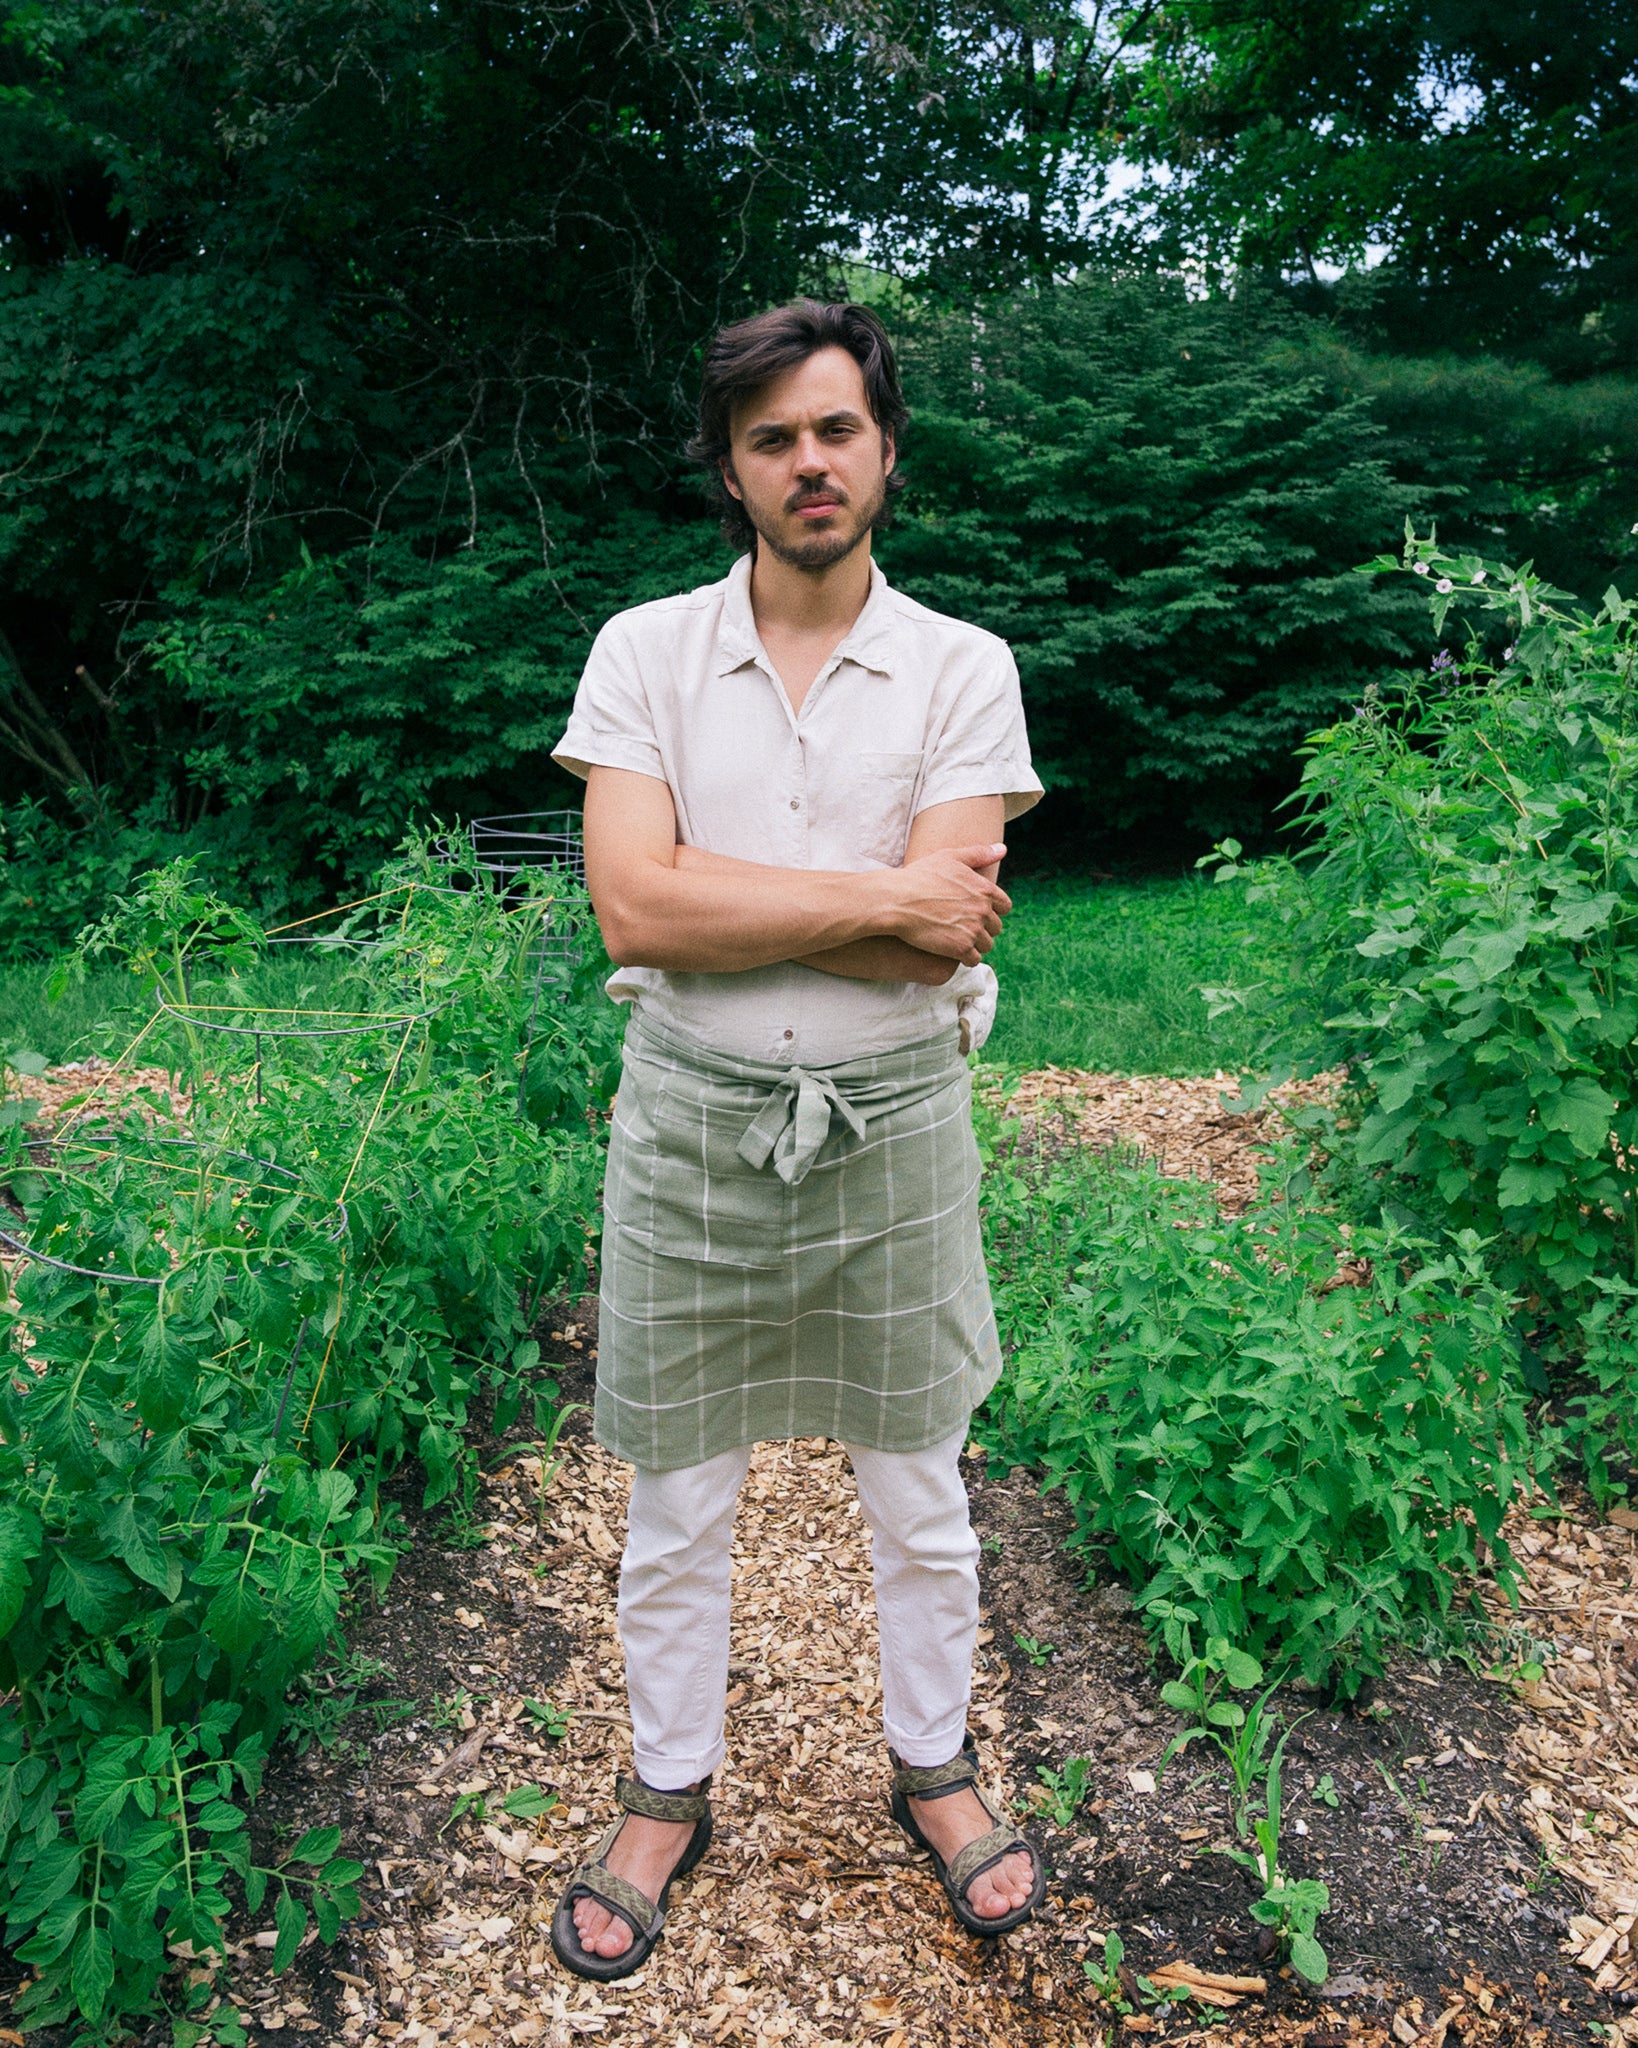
[594,1880]
[937,1781]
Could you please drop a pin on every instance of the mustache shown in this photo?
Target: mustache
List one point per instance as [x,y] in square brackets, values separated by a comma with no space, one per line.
[830,495]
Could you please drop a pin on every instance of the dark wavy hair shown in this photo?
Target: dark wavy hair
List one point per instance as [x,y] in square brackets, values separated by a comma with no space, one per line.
[744,357]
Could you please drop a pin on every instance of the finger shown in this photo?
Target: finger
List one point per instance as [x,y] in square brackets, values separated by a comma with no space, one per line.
[980,856]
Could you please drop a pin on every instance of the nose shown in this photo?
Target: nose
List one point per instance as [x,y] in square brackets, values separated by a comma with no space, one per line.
[810,456]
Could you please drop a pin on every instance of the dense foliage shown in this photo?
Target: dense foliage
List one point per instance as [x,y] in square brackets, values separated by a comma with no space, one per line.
[244,1321]
[1291,1436]
[1486,156]
[1466,926]
[1160,504]
[345,352]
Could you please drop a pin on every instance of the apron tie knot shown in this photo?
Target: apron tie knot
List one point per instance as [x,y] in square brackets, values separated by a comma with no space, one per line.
[794,1122]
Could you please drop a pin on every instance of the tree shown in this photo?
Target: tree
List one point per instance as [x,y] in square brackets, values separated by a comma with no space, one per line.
[1160,503]
[1488,149]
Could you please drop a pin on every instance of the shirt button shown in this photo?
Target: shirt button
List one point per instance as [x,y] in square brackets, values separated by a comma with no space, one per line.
[790,1034]
[796,803]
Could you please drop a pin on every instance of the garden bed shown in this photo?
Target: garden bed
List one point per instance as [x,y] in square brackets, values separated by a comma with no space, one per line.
[811,1922]
[809,1887]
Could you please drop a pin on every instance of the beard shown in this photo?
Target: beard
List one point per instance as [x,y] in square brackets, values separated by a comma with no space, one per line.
[820,550]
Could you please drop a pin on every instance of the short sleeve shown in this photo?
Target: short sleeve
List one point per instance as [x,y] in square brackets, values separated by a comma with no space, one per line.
[982,748]
[611,725]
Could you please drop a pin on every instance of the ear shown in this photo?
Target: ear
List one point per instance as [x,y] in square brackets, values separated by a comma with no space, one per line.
[890,451]
[729,480]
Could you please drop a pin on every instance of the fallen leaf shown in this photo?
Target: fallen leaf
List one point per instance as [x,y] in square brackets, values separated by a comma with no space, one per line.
[1624,1518]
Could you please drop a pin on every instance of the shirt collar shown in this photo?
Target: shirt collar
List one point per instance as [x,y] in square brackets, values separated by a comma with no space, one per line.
[870,643]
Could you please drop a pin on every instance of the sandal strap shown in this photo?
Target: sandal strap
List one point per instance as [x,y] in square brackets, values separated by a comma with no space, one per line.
[982,1855]
[934,1781]
[620,1896]
[636,1797]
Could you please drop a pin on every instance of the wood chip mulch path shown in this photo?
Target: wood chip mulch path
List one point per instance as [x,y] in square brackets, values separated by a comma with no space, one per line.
[1182,1125]
[1576,1753]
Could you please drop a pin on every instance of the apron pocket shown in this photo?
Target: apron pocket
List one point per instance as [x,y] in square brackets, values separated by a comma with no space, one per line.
[676,1181]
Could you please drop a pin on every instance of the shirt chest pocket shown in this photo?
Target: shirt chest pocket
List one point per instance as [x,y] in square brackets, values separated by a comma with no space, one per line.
[884,793]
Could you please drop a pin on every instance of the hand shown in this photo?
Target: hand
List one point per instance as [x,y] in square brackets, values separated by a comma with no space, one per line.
[945,903]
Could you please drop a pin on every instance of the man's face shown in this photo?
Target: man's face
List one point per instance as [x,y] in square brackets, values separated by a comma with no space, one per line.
[808,461]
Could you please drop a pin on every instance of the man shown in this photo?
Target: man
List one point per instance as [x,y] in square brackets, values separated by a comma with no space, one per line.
[797,781]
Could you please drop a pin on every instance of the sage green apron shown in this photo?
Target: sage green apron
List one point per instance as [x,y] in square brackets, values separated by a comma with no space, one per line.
[790,1252]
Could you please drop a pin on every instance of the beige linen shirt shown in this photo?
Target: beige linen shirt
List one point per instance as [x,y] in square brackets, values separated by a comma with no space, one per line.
[913,709]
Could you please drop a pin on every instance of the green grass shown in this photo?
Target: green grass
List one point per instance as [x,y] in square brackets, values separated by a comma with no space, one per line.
[1107,976]
[103,1012]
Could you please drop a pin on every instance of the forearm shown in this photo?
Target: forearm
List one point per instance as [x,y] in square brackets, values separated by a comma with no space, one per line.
[707,914]
[882,960]
[879,958]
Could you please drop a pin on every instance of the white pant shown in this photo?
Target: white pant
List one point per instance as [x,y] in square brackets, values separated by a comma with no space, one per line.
[674,1583]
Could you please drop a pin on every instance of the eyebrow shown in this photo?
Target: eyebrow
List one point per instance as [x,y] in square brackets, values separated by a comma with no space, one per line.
[831,419]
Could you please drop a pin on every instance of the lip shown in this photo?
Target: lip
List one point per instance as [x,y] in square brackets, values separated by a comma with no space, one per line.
[821,508]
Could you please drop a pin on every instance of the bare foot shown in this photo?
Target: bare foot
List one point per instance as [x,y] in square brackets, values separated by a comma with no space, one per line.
[950,1824]
[645,1853]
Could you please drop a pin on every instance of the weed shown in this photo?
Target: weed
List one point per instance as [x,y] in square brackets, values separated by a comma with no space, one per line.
[1289,1907]
[1066,1788]
[1035,1650]
[1115,1981]
[551,1721]
[523,1802]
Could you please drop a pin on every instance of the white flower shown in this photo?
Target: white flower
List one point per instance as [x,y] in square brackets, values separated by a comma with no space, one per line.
[1508,653]
[1421,568]
[1444,585]
[1478,576]
[1635,529]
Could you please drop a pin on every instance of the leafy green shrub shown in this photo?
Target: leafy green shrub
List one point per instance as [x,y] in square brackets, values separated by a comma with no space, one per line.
[374,688]
[1599,1422]
[1159,501]
[258,1311]
[1465,928]
[1303,1468]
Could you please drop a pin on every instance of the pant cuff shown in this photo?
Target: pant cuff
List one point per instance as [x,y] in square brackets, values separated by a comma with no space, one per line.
[922,1750]
[669,1773]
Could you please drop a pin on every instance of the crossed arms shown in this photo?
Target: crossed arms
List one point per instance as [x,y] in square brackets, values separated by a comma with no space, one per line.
[669,906]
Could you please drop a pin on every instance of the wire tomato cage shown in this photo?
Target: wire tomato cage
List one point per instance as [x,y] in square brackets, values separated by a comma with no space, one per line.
[502,848]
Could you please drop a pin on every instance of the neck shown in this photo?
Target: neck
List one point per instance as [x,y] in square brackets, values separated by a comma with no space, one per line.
[809,601]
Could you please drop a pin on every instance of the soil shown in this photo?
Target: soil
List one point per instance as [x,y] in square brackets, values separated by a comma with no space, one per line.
[1432,1877]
